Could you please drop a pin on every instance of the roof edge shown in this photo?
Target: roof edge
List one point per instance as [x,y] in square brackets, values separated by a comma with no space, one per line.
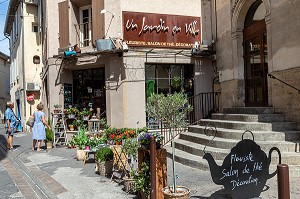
[11,11]
[4,56]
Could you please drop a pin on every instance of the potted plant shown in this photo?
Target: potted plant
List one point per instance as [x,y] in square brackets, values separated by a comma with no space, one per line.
[72,112]
[144,139]
[49,137]
[104,161]
[85,114]
[130,147]
[80,140]
[141,180]
[56,108]
[171,109]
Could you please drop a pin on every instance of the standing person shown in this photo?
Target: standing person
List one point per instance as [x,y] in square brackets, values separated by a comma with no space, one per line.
[10,124]
[38,132]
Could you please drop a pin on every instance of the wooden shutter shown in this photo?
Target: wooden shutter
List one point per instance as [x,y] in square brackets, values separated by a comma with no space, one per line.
[98,20]
[64,34]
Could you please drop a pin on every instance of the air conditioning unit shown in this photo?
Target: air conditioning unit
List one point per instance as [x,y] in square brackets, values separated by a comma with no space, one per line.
[32,86]
[204,47]
[34,2]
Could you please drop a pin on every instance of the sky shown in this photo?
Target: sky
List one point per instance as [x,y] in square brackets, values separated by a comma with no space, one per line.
[4,45]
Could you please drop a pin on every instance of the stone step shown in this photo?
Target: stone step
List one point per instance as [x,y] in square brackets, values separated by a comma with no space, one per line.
[258,135]
[249,110]
[290,158]
[218,142]
[252,126]
[249,118]
[200,163]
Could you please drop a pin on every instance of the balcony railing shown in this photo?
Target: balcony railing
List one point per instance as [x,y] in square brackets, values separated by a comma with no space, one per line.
[84,34]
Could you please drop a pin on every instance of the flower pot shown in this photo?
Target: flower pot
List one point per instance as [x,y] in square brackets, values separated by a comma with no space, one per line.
[49,144]
[71,116]
[85,118]
[105,168]
[142,195]
[128,185]
[80,155]
[181,193]
[147,146]
[118,143]
[71,127]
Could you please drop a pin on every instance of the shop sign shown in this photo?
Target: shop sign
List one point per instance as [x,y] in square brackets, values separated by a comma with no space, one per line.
[160,30]
[30,97]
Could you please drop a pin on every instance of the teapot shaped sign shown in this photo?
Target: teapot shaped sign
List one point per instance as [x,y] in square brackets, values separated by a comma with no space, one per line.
[245,169]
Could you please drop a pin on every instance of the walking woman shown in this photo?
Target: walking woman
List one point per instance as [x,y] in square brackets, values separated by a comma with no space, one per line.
[38,132]
[11,125]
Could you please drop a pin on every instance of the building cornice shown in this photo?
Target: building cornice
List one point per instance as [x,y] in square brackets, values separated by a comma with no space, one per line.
[10,16]
[4,56]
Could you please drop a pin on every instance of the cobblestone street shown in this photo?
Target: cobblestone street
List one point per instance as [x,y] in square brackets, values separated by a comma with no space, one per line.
[57,174]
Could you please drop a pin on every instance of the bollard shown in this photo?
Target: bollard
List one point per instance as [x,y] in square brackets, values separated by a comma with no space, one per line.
[153,167]
[283,181]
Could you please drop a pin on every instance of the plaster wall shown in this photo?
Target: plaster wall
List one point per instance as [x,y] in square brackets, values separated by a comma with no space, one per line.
[4,80]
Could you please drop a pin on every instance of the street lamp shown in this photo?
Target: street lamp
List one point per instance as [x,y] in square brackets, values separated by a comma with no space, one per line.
[113,15]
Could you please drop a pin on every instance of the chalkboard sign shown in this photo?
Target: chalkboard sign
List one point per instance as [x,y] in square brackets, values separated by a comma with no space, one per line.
[244,171]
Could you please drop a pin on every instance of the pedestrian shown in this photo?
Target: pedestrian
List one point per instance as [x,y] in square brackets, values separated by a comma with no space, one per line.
[11,122]
[39,132]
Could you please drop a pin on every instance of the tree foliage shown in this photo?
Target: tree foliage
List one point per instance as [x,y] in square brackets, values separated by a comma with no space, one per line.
[171,109]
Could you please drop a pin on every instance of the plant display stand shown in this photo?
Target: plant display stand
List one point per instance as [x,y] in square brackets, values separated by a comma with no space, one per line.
[161,168]
[59,129]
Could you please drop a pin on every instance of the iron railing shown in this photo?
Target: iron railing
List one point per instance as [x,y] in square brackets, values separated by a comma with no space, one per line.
[204,104]
[273,77]
[84,34]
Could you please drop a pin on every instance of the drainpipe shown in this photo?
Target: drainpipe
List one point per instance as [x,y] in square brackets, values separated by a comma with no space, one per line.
[23,65]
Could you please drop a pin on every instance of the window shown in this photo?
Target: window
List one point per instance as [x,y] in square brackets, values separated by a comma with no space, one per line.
[169,78]
[35,28]
[85,26]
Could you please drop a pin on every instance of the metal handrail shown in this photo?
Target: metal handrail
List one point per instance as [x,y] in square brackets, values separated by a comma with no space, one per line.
[204,104]
[273,77]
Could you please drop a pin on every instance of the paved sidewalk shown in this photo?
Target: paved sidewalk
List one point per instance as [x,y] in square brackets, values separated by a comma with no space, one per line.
[57,174]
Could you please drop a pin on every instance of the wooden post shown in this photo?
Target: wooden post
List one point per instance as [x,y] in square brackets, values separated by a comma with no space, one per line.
[161,168]
[153,167]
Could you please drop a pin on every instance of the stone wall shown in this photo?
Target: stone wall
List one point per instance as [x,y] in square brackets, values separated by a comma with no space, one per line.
[284,98]
[231,94]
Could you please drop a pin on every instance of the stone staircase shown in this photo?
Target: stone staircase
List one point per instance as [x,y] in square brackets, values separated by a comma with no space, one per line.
[269,129]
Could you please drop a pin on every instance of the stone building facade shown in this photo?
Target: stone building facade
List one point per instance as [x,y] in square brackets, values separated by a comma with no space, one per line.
[258,46]
[4,82]
[22,28]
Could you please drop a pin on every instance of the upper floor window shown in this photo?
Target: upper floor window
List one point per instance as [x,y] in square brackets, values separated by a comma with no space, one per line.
[85,26]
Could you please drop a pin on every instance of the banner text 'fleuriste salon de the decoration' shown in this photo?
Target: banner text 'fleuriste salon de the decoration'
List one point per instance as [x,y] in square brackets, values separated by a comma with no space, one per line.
[159,30]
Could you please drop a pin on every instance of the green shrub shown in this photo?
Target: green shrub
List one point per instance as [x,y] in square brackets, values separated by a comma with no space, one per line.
[104,154]
[49,135]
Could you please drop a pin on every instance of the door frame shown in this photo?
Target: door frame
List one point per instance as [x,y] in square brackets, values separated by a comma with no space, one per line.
[255,30]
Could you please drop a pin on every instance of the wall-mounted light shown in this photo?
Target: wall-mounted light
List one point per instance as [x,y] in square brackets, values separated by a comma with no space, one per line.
[113,15]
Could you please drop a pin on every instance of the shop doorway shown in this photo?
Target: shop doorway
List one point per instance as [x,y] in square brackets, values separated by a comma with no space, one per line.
[256,56]
[88,89]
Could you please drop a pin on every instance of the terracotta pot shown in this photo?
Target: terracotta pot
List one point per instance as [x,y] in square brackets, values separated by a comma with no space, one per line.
[181,193]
